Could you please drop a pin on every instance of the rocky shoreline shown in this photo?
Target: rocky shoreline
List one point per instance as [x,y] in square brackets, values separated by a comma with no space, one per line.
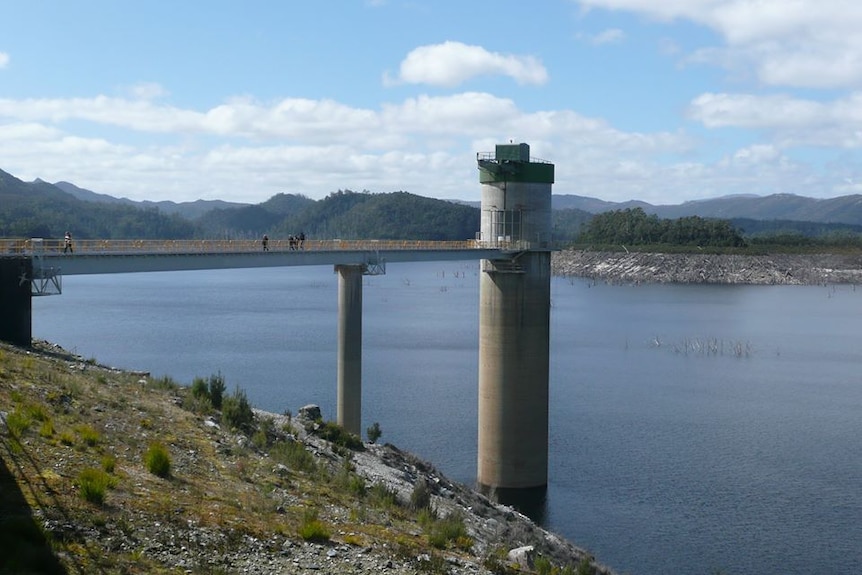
[231,503]
[642,267]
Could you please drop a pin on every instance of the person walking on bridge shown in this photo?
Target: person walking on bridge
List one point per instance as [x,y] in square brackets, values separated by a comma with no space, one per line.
[265,243]
[67,243]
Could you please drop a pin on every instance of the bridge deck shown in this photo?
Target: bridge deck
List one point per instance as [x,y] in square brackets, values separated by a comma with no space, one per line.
[127,256]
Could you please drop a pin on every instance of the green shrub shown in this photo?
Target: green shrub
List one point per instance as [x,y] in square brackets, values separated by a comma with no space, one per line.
[197,404]
[87,434]
[382,496]
[158,460]
[585,567]
[94,484]
[497,562]
[199,388]
[374,432]
[216,390]
[236,411]
[36,412]
[312,529]
[420,498]
[543,566]
[449,529]
[165,382]
[337,435]
[265,433]
[109,463]
[17,423]
[294,455]
[347,479]
[47,429]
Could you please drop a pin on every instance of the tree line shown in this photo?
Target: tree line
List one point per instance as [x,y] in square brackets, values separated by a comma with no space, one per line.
[634,227]
[39,209]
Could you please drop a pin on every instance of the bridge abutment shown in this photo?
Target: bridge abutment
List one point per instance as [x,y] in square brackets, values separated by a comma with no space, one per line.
[16,300]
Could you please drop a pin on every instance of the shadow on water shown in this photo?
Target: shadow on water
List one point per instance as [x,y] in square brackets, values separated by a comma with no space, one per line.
[531,501]
[23,545]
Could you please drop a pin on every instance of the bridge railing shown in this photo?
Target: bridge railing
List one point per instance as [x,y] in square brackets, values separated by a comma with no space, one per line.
[39,246]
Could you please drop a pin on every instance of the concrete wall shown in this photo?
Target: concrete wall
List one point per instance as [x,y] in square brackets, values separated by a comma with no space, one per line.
[16,303]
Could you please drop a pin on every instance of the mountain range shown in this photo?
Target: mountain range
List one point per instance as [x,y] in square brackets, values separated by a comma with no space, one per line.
[842,209]
[41,208]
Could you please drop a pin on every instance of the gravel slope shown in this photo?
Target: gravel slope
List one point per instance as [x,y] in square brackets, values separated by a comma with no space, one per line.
[781,269]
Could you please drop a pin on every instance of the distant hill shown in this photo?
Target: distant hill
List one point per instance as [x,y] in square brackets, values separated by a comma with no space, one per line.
[789,207]
[594,205]
[253,221]
[753,215]
[189,210]
[39,208]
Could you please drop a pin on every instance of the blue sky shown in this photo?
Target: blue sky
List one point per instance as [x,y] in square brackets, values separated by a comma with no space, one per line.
[664,102]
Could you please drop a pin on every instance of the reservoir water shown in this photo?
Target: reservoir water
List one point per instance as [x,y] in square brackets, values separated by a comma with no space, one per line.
[693,429]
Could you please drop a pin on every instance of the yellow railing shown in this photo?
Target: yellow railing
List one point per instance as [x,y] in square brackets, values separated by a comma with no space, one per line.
[95,247]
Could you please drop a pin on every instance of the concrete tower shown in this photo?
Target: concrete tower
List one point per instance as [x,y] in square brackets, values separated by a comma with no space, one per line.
[514,320]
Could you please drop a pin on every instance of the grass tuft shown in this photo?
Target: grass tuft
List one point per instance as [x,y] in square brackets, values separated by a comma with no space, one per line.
[93,484]
[312,529]
[157,460]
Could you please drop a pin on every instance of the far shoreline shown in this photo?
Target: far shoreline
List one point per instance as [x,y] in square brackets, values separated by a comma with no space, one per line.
[704,268]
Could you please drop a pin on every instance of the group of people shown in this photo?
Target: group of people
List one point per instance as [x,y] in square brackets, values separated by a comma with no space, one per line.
[293,242]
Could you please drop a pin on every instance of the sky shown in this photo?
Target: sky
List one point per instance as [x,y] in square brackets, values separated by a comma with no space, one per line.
[661,101]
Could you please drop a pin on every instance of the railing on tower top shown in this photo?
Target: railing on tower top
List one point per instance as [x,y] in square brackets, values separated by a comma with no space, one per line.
[140,247]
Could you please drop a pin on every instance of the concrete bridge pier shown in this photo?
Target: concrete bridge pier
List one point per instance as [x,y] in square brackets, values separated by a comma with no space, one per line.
[349,394]
[16,300]
[514,325]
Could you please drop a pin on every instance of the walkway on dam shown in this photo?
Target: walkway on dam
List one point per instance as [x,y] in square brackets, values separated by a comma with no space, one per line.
[128,256]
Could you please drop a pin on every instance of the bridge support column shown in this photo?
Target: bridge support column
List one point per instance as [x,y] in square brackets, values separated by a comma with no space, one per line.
[514,327]
[350,347]
[16,300]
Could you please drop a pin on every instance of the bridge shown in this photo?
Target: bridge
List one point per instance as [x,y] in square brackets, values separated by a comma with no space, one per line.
[51,260]
[514,306]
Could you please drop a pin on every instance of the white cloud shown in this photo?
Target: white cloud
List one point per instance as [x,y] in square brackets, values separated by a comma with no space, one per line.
[4,60]
[803,43]
[452,63]
[756,154]
[245,150]
[788,120]
[147,91]
[609,36]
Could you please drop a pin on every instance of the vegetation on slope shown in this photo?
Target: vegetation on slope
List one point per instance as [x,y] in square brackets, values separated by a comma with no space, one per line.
[103,471]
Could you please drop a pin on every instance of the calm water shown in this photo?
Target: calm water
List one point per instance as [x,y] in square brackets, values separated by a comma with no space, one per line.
[693,428]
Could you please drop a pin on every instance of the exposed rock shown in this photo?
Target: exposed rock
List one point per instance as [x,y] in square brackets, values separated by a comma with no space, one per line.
[310,412]
[522,556]
[777,269]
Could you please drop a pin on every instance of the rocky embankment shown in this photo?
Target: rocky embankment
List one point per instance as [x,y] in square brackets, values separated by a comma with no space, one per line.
[779,269]
[272,499]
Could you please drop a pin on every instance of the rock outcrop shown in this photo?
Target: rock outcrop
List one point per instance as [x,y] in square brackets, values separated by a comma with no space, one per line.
[779,269]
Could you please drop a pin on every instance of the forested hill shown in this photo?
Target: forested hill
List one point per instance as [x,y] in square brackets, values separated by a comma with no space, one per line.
[40,209]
